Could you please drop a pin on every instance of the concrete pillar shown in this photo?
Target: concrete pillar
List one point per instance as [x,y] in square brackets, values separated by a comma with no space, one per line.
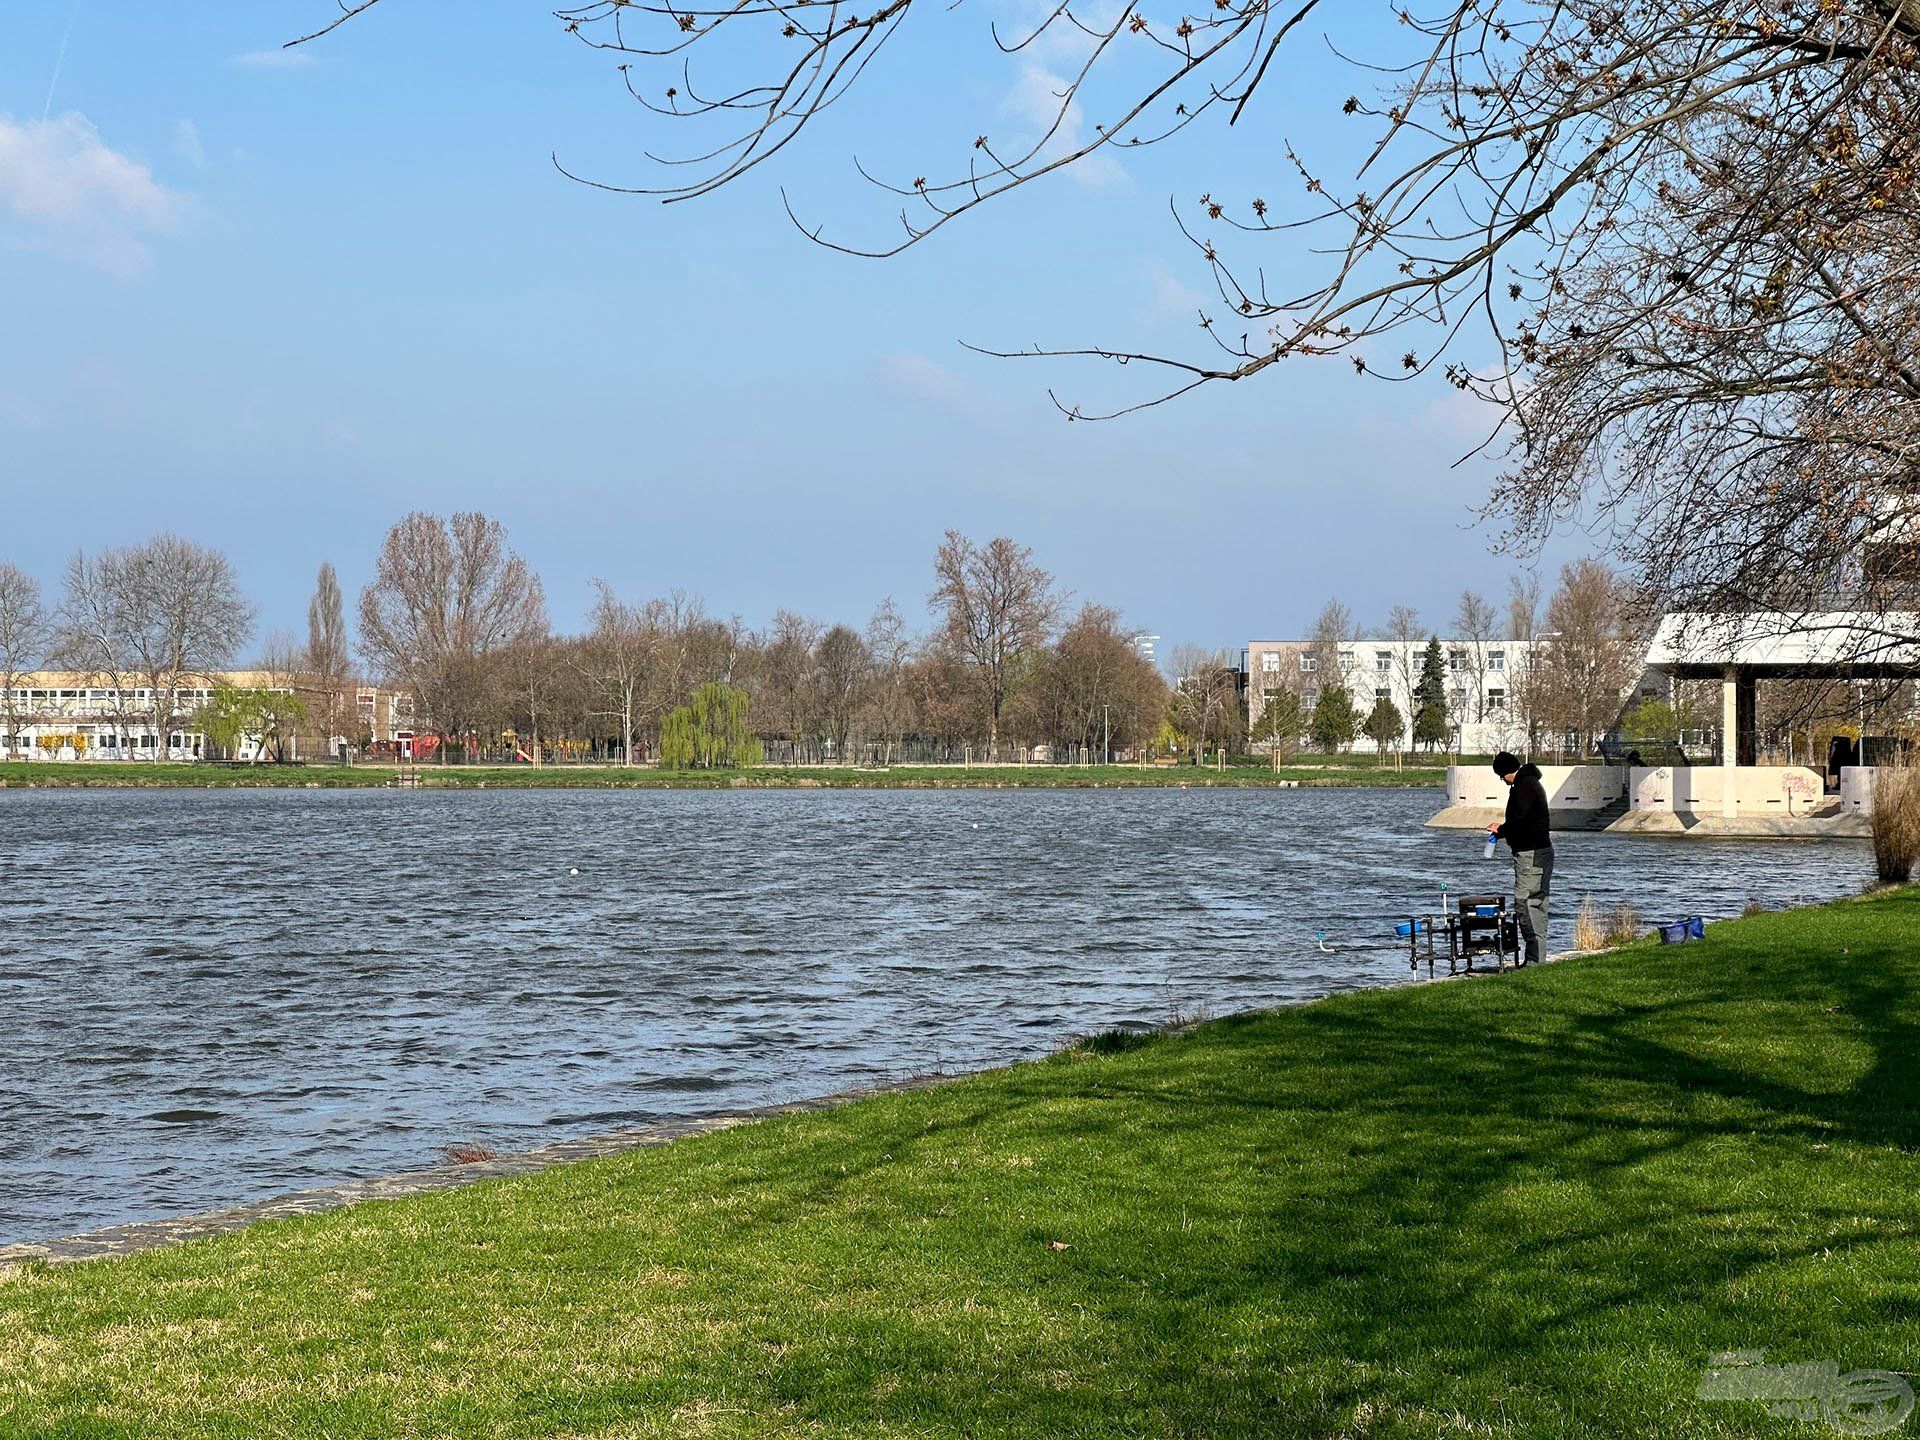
[1746,719]
[1729,738]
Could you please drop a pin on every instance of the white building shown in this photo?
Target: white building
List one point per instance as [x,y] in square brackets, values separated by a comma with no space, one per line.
[1480,676]
[65,716]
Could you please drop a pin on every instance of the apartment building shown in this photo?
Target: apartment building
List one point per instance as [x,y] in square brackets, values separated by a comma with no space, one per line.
[1480,676]
[59,715]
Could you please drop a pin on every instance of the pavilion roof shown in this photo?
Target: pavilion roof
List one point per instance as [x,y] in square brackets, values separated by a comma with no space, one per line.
[1814,644]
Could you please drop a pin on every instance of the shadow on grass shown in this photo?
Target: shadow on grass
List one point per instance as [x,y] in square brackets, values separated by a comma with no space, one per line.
[1532,1205]
[1549,1196]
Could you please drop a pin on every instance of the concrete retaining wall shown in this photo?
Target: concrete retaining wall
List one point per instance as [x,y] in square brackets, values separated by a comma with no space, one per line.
[1568,787]
[1789,790]
[1856,789]
[1689,799]
[1476,797]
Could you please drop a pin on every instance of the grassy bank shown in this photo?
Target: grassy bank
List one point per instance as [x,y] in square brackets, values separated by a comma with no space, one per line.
[1336,771]
[1520,1207]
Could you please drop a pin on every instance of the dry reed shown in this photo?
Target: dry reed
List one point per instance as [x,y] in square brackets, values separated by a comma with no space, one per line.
[1896,823]
[1623,924]
[1588,933]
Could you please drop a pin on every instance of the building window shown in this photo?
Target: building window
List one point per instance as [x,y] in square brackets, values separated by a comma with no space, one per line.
[1381,693]
[1496,699]
[1383,662]
[1496,660]
[1309,664]
[1457,661]
[1270,663]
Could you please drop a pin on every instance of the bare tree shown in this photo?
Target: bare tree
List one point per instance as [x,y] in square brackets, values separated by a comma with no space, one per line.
[1477,626]
[618,654]
[160,616]
[328,657]
[26,634]
[1523,625]
[90,636]
[1684,235]
[1523,607]
[285,668]
[840,665]
[1586,669]
[446,598]
[787,661]
[678,619]
[948,705]
[533,675]
[1331,642]
[1404,629]
[1096,689]
[997,609]
[887,710]
[1205,700]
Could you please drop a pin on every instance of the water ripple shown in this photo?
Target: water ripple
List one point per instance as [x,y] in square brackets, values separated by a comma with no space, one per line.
[219,995]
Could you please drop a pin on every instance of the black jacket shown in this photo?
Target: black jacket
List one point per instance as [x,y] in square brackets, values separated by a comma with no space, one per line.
[1527,824]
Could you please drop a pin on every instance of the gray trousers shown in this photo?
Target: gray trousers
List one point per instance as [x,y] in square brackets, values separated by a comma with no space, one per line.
[1532,879]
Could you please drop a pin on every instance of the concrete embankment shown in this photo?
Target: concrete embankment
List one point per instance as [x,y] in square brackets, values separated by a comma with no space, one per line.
[1705,801]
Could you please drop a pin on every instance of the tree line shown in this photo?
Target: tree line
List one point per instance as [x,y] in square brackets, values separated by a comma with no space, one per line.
[1007,663]
[458,621]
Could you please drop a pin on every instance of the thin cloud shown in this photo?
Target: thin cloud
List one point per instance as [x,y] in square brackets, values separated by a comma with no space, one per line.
[277,58]
[186,144]
[1171,300]
[1036,99]
[907,372]
[65,190]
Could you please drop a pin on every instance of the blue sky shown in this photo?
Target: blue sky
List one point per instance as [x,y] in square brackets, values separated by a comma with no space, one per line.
[273,302]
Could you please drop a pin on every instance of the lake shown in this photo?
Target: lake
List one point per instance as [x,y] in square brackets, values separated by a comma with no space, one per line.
[215,996]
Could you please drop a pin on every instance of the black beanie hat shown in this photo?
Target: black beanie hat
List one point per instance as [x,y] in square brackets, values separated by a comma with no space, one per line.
[1505,763]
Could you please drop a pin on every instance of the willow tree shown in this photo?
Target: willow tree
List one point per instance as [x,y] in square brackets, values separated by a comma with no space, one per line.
[711,731]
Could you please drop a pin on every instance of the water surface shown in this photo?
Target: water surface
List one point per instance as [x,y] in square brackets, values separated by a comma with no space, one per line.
[216,996]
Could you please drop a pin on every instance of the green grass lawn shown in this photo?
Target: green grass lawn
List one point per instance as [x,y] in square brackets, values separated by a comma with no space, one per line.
[1530,1206]
[1343,770]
